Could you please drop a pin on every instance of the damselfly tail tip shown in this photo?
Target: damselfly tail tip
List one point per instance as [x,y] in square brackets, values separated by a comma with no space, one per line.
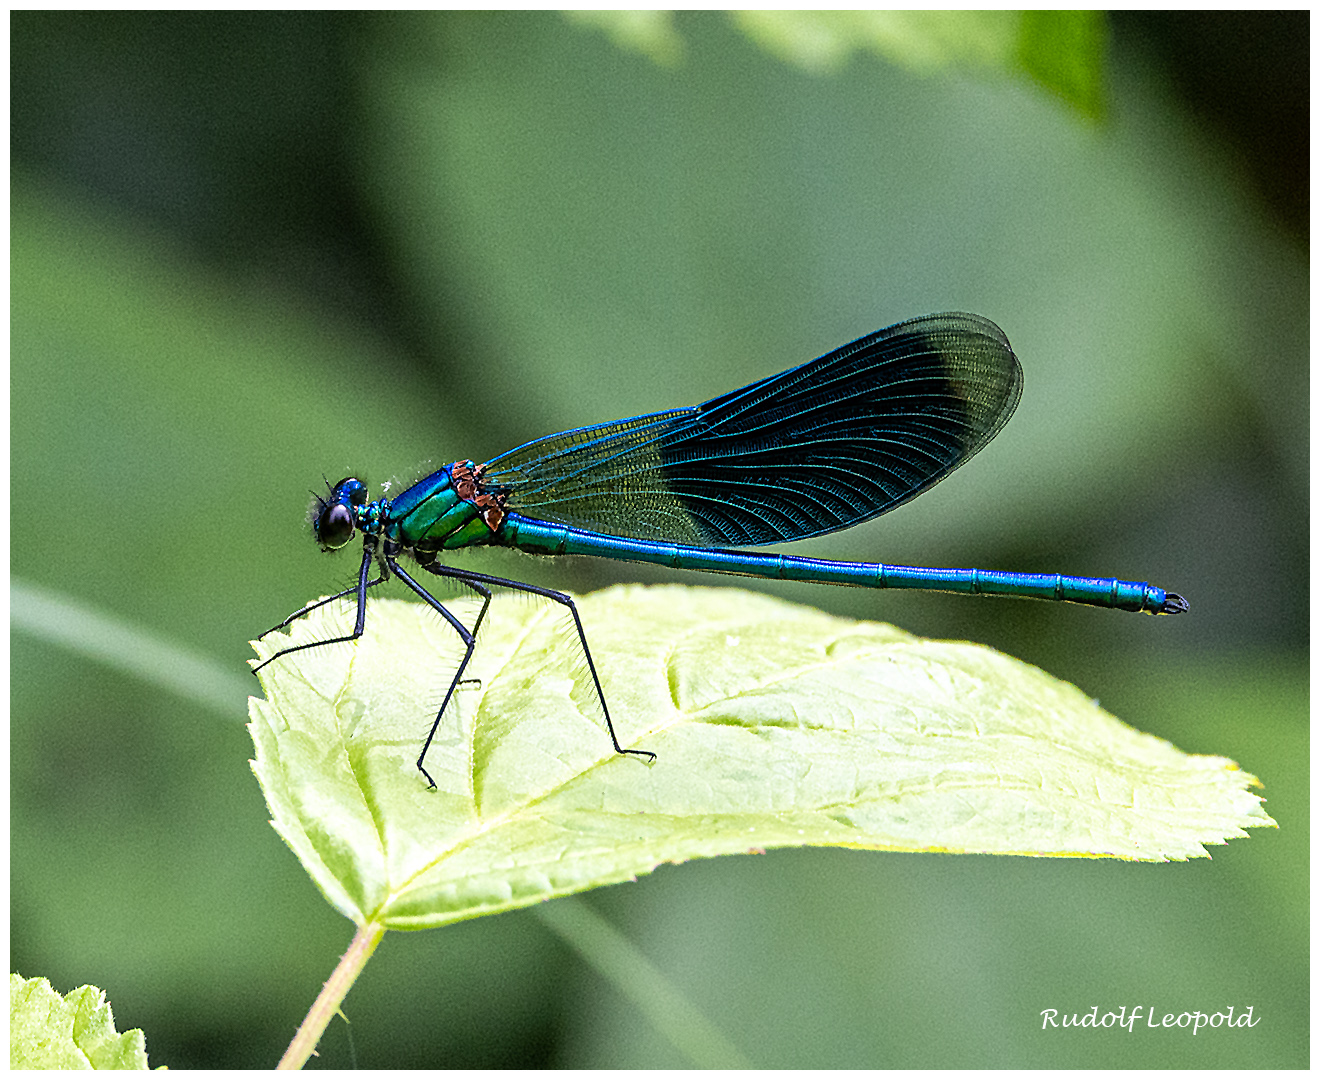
[1173,604]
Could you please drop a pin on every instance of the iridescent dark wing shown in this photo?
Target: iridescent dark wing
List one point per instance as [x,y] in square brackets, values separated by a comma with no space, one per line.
[815,449]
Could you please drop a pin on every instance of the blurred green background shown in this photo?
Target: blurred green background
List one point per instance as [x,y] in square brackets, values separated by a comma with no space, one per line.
[252,251]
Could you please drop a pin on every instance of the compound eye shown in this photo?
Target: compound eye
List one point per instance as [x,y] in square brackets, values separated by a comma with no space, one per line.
[334,528]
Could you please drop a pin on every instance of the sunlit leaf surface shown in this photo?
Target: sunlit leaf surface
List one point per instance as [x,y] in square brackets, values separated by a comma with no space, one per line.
[774,725]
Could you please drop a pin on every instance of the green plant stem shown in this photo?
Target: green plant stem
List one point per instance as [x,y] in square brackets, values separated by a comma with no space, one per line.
[332,995]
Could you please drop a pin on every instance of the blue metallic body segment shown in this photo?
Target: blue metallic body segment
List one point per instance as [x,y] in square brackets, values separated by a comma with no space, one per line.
[544,538]
[815,449]
[439,484]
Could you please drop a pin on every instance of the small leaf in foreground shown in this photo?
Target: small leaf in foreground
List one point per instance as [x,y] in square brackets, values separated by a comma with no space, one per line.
[774,724]
[77,1031]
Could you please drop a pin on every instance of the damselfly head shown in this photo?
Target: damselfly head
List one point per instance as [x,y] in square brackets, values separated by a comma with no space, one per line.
[333,520]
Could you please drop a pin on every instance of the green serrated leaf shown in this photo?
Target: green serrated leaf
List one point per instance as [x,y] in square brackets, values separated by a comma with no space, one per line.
[774,725]
[76,1031]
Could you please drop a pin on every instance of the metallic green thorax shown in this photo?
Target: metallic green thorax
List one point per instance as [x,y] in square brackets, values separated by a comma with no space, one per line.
[442,512]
